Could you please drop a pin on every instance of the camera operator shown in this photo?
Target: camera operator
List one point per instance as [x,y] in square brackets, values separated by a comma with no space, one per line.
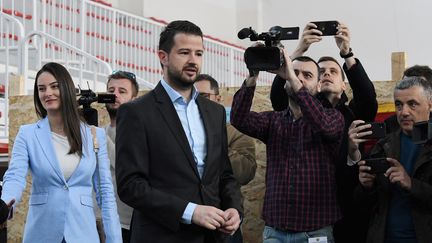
[402,196]
[352,227]
[302,144]
[124,86]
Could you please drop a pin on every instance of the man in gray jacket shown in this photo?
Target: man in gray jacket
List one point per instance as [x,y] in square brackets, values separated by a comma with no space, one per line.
[124,86]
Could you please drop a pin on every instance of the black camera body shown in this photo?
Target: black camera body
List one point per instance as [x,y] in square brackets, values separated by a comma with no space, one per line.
[268,57]
[87,96]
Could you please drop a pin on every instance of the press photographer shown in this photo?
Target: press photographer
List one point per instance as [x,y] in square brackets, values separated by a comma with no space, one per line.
[303,138]
[401,196]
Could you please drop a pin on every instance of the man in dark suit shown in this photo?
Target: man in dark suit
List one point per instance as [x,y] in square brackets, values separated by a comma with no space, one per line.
[172,162]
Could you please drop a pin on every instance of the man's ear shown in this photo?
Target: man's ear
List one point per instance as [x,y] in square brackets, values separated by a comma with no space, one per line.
[343,85]
[219,98]
[163,57]
[430,105]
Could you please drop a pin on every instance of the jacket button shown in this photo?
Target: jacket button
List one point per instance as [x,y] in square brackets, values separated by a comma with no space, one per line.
[65,187]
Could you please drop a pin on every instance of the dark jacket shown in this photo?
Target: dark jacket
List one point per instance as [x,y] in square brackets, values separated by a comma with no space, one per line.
[157,174]
[421,192]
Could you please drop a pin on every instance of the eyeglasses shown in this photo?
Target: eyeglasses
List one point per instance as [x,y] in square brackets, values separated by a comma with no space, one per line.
[124,73]
[207,95]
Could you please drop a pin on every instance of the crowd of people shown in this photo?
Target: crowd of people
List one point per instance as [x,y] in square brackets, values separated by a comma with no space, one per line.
[168,167]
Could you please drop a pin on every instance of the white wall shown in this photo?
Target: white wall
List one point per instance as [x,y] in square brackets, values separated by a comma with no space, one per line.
[216,18]
[378,27]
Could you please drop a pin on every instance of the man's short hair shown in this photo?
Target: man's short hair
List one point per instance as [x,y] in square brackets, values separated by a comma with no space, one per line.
[307,59]
[126,75]
[331,59]
[409,82]
[166,40]
[419,71]
[213,83]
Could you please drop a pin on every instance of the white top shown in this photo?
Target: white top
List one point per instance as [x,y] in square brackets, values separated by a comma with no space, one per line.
[68,162]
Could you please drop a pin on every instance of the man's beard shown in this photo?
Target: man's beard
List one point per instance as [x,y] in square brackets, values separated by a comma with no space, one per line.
[112,112]
[176,77]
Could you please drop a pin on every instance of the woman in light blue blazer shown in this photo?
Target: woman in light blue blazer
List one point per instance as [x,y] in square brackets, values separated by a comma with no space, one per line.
[58,150]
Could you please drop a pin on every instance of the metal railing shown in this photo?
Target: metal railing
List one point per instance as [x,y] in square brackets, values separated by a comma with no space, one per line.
[12,31]
[125,41]
[47,48]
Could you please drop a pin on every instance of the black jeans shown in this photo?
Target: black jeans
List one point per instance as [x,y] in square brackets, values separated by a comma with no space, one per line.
[126,235]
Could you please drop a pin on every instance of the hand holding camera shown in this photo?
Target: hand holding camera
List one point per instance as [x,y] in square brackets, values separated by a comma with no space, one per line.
[397,174]
[343,39]
[286,71]
[366,178]
[360,132]
[309,36]
[391,168]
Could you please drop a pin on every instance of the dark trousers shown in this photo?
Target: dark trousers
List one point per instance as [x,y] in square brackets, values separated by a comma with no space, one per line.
[3,235]
[351,229]
[237,237]
[126,235]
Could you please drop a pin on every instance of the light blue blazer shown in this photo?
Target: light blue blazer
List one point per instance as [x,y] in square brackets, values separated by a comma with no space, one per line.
[58,208]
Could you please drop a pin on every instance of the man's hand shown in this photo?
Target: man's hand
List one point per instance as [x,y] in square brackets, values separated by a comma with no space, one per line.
[251,80]
[355,137]
[9,216]
[365,177]
[343,39]
[208,217]
[309,36]
[397,174]
[232,221]
[253,74]
[287,72]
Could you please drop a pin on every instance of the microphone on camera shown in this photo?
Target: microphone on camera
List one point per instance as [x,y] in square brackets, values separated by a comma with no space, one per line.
[247,32]
[244,33]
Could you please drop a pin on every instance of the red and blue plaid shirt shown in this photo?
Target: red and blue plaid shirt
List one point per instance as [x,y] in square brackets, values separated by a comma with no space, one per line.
[301,155]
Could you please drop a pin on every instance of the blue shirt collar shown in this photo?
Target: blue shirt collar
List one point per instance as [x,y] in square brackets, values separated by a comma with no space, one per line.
[174,95]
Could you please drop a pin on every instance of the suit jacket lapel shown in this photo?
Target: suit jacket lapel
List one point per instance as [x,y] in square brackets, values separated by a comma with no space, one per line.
[43,135]
[172,120]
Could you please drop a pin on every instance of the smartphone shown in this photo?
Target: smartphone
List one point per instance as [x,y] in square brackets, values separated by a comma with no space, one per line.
[378,130]
[378,165]
[327,27]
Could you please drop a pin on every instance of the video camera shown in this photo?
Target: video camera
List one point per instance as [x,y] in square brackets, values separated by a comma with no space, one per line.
[87,96]
[268,57]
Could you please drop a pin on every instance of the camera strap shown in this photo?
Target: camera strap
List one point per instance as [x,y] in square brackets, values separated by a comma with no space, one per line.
[96,150]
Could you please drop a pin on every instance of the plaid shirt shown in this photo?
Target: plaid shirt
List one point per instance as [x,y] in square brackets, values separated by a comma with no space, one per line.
[301,154]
